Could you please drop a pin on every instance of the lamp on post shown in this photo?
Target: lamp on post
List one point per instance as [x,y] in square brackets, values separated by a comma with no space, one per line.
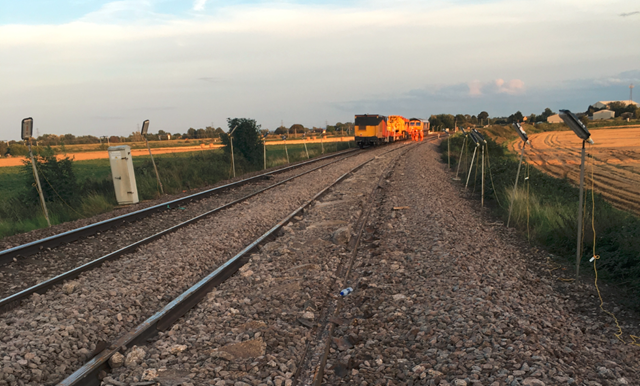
[525,141]
[581,131]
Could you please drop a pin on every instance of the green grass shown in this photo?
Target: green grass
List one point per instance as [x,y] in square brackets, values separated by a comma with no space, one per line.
[178,172]
[545,211]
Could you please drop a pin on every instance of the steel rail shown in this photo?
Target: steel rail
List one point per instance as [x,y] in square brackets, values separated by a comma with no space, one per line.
[6,303]
[88,374]
[36,246]
[336,307]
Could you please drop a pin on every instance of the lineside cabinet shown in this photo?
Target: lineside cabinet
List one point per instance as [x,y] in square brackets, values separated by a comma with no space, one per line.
[124,179]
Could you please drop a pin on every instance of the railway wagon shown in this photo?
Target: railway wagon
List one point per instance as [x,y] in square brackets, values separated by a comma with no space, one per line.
[374,129]
[370,130]
[398,127]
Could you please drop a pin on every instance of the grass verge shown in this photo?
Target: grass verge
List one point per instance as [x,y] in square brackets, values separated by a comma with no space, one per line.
[178,172]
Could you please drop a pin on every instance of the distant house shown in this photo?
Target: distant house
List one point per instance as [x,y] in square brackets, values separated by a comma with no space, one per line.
[603,114]
[605,104]
[555,118]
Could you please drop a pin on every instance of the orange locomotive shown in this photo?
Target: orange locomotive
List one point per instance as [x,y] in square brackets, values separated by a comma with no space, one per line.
[417,127]
[374,129]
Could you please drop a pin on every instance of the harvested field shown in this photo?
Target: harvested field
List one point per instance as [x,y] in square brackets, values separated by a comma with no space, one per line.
[616,161]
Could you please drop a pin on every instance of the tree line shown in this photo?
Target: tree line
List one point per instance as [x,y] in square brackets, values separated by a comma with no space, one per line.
[19,148]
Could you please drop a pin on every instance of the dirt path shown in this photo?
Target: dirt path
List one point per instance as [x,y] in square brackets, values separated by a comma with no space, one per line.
[614,166]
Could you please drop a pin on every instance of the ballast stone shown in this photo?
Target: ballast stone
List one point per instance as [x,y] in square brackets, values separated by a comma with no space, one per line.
[341,235]
[135,357]
[116,360]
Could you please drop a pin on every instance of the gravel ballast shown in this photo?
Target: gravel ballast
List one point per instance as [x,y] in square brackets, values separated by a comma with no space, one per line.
[26,272]
[446,297]
[51,335]
[254,329]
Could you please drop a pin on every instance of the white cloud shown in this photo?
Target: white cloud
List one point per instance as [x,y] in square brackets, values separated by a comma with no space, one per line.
[198,5]
[274,61]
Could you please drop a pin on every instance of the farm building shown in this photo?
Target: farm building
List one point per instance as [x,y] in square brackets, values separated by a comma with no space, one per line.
[555,118]
[603,114]
[605,104]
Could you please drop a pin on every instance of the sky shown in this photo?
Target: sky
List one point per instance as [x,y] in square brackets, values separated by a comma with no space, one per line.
[102,67]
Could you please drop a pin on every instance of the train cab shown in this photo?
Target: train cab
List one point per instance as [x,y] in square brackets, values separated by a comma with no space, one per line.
[370,129]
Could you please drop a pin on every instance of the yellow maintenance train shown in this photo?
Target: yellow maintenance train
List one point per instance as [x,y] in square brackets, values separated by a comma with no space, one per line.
[374,129]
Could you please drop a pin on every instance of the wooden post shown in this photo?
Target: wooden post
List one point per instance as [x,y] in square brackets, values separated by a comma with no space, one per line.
[154,166]
[471,168]
[515,186]
[580,203]
[37,178]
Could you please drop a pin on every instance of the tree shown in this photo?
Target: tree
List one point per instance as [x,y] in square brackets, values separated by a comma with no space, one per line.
[176,136]
[246,139]
[460,120]
[4,148]
[191,133]
[296,129]
[201,133]
[114,139]
[617,107]
[546,114]
[482,116]
[281,130]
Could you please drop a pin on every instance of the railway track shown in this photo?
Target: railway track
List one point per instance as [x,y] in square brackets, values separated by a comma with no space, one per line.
[223,268]
[430,304]
[90,373]
[21,278]
[34,247]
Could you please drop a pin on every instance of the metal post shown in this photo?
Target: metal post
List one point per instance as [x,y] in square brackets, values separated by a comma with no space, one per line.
[305,147]
[515,186]
[482,199]
[579,242]
[322,142]
[471,168]
[464,141]
[35,174]
[233,162]
[448,153]
[264,146]
[285,149]
[154,166]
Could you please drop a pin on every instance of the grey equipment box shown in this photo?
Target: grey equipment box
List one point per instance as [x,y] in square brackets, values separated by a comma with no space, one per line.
[124,179]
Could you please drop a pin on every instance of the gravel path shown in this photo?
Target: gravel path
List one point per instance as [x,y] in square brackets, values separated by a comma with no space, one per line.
[445,298]
[26,272]
[50,335]
[255,327]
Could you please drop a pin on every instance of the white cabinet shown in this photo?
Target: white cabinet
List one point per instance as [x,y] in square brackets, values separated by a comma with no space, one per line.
[124,179]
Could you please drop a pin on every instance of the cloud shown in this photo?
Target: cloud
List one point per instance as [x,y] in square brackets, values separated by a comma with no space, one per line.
[198,5]
[629,13]
[498,86]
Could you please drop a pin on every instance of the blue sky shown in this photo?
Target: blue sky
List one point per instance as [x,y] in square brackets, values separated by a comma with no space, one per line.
[102,67]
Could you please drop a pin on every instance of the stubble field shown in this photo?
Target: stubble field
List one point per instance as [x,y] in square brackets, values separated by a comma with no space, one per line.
[613,162]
